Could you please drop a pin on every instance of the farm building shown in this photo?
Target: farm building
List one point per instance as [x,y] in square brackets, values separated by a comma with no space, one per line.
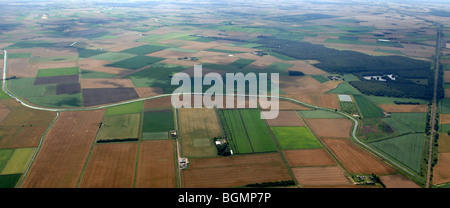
[173,133]
[183,162]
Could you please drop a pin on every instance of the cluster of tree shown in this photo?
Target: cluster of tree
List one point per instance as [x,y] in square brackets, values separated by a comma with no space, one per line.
[344,61]
[222,149]
[295,73]
[405,103]
[272,184]
[393,89]
[377,179]
[117,140]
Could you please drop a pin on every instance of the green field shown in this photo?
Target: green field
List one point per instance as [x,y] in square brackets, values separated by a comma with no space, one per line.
[367,108]
[43,95]
[58,101]
[279,66]
[57,72]
[158,121]
[241,63]
[19,55]
[397,125]
[392,100]
[223,51]
[5,154]
[135,62]
[320,78]
[319,114]
[295,138]
[155,135]
[349,77]
[9,181]
[235,131]
[257,131]
[19,160]
[143,50]
[112,56]
[30,44]
[444,106]
[416,121]
[246,131]
[184,50]
[156,38]
[129,108]
[375,128]
[446,66]
[87,74]
[345,88]
[407,149]
[119,127]
[86,53]
[349,107]
[157,76]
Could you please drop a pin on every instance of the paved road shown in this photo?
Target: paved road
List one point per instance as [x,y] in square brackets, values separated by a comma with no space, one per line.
[434,103]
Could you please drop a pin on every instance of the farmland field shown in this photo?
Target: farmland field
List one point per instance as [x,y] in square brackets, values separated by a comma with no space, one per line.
[57,72]
[155,168]
[64,142]
[110,166]
[242,170]
[119,127]
[415,121]
[406,149]
[328,175]
[198,127]
[295,138]
[330,127]
[354,159]
[286,118]
[367,108]
[397,181]
[319,114]
[309,157]
[18,162]
[157,121]
[134,107]
[247,132]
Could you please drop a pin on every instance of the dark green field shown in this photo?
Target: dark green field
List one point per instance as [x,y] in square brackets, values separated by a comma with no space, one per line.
[158,121]
[135,62]
[367,108]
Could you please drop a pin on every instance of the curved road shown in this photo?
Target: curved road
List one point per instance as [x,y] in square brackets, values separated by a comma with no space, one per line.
[355,127]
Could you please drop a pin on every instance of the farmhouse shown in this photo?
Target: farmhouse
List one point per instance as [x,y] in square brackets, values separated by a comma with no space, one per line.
[173,133]
[183,162]
[220,141]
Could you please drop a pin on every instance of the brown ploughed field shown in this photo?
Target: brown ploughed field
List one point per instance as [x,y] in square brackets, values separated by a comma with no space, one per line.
[156,165]
[64,151]
[111,166]
[355,159]
[308,157]
[232,171]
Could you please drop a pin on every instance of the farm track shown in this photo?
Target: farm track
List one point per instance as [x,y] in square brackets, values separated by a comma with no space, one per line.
[355,127]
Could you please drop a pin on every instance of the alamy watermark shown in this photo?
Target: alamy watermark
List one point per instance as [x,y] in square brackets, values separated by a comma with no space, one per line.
[235,88]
